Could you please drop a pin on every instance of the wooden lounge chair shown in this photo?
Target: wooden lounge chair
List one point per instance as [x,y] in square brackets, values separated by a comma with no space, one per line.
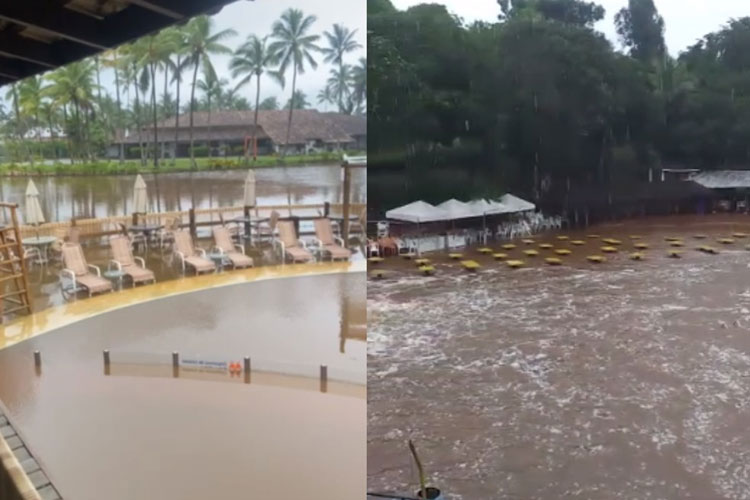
[235,253]
[184,249]
[291,246]
[123,260]
[79,271]
[328,243]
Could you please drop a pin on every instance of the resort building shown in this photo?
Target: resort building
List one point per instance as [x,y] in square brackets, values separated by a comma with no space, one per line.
[227,133]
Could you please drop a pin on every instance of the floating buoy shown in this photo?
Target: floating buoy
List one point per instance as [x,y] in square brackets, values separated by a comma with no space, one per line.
[700,236]
[609,249]
[553,261]
[528,242]
[379,274]
[726,241]
[509,246]
[563,251]
[484,250]
[612,241]
[375,260]
[635,236]
[546,246]
[672,238]
[577,242]
[637,256]
[515,264]
[676,243]
[426,270]
[421,262]
[740,235]
[562,237]
[596,259]
[499,256]
[531,253]
[455,256]
[708,249]
[409,256]
[675,254]
[592,236]
[470,265]
[641,246]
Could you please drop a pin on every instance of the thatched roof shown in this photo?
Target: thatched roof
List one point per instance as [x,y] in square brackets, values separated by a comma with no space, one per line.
[723,179]
[307,125]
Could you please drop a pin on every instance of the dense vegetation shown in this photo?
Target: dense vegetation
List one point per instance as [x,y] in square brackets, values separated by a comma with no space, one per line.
[68,113]
[539,101]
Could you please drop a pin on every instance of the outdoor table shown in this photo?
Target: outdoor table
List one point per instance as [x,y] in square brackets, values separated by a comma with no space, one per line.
[115,276]
[252,221]
[220,259]
[146,230]
[42,243]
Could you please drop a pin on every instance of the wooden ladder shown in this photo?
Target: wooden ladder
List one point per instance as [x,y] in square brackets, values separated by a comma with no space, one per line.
[14,283]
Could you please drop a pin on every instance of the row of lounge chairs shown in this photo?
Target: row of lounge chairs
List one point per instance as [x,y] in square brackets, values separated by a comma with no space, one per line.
[88,277]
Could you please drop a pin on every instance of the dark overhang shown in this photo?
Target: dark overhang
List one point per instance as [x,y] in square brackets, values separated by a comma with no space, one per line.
[40,35]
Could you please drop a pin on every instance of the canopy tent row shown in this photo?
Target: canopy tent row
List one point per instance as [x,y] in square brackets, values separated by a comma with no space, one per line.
[421,211]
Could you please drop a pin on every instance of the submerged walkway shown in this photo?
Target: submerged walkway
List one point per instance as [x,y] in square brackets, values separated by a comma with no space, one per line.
[50,319]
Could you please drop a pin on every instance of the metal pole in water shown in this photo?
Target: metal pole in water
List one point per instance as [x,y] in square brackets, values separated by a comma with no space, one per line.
[106,357]
[175,359]
[247,369]
[37,359]
[323,378]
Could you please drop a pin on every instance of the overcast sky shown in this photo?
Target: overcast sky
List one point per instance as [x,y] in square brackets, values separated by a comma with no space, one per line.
[686,20]
[256,17]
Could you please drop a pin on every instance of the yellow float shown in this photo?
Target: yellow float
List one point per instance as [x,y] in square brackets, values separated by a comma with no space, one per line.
[470,265]
[546,246]
[612,241]
[528,242]
[700,236]
[708,249]
[563,251]
[641,246]
[577,242]
[378,274]
[515,264]
[421,262]
[609,249]
[740,235]
[676,243]
[455,256]
[637,256]
[675,254]
[563,237]
[592,236]
[553,261]
[531,253]
[499,256]
[596,259]
[726,241]
[375,260]
[509,246]
[484,250]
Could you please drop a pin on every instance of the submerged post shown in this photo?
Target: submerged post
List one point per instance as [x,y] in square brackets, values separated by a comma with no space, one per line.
[193,229]
[37,359]
[347,189]
[175,359]
[323,378]
[247,369]
[105,353]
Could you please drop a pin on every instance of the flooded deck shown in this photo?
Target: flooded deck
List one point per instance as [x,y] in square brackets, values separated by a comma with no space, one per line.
[616,380]
[141,430]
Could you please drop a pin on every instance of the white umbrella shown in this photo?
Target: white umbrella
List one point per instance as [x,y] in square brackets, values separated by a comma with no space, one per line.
[140,196]
[34,214]
[249,197]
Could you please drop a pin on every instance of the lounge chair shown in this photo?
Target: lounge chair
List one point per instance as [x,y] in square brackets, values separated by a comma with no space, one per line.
[235,253]
[124,261]
[328,243]
[184,249]
[79,271]
[269,228]
[291,246]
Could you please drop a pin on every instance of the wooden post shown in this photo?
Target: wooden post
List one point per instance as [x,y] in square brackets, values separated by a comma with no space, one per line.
[326,209]
[246,212]
[135,219]
[347,189]
[295,219]
[193,229]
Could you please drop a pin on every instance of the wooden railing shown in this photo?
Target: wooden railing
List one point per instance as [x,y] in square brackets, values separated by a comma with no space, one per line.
[193,219]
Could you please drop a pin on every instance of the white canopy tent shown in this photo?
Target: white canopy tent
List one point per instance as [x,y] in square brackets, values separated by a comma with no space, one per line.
[515,204]
[455,209]
[418,212]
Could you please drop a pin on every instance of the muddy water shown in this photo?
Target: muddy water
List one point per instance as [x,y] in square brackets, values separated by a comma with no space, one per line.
[63,198]
[620,380]
[139,432]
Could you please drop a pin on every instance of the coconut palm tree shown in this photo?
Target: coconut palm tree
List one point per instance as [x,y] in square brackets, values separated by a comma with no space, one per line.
[269,104]
[325,96]
[200,44]
[212,88]
[359,85]
[30,102]
[298,101]
[340,42]
[250,60]
[294,46]
[112,61]
[339,85]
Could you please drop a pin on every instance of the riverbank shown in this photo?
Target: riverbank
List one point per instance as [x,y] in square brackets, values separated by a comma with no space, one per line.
[131,167]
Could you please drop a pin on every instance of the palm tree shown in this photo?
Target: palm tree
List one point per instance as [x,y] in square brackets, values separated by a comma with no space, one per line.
[30,102]
[252,59]
[339,84]
[325,96]
[294,46]
[359,84]
[113,61]
[269,104]
[200,45]
[298,101]
[211,87]
[340,42]
[12,94]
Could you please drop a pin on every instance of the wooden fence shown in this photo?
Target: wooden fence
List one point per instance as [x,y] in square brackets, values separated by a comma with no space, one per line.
[193,219]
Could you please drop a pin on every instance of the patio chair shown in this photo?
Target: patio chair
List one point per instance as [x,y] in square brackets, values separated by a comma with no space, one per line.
[184,249]
[134,238]
[124,261]
[235,253]
[269,228]
[79,271]
[328,243]
[166,234]
[291,246]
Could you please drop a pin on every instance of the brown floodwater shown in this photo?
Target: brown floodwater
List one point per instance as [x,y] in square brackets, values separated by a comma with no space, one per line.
[619,380]
[137,431]
[66,197]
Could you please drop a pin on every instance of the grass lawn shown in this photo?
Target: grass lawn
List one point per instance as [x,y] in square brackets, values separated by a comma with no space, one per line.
[113,167]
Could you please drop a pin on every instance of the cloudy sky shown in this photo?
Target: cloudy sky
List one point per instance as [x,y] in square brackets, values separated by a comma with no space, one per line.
[256,17]
[686,20]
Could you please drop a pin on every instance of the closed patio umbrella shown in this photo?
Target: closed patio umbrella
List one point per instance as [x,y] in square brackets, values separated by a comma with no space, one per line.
[140,196]
[33,214]
[249,197]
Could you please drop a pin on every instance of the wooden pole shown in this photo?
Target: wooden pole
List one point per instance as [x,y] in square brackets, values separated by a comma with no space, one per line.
[347,189]
[193,229]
